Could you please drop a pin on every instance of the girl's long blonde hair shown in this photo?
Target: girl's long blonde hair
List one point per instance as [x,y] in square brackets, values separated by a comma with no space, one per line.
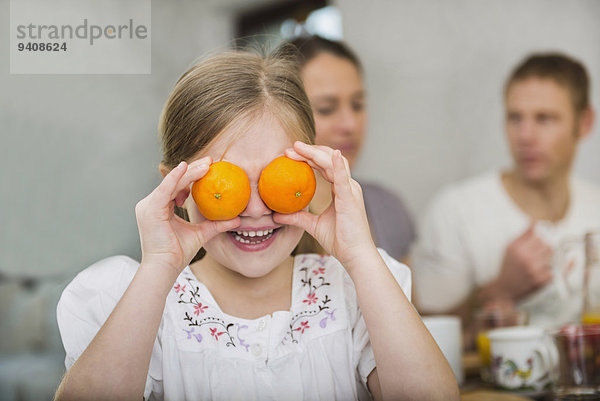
[226,88]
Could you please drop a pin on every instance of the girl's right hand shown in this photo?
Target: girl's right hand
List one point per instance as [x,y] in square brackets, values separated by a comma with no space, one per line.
[167,239]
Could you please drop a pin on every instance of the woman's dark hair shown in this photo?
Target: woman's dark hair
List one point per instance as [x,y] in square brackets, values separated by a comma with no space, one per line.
[310,47]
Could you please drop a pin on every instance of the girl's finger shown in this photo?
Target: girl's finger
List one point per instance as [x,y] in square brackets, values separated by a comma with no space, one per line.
[195,170]
[312,164]
[210,228]
[204,160]
[293,155]
[205,230]
[302,219]
[166,190]
[193,173]
[182,196]
[318,157]
[341,176]
[312,152]
[347,165]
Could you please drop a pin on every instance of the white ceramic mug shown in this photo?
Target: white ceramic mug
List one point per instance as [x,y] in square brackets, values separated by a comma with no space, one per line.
[446,331]
[524,358]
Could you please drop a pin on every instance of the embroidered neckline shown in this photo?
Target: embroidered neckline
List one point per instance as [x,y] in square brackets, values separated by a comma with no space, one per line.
[199,311]
[210,301]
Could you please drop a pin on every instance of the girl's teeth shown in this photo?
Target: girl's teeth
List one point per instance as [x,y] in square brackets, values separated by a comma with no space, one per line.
[254,233]
[248,234]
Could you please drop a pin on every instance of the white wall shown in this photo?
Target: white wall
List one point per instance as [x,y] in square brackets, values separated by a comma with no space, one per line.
[435,71]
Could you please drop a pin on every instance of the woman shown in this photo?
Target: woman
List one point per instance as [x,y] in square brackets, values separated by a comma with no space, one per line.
[332,76]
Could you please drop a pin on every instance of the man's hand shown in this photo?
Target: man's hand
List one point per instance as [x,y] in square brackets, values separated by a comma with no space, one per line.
[526,266]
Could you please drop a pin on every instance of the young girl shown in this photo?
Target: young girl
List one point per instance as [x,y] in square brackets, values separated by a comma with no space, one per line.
[248,321]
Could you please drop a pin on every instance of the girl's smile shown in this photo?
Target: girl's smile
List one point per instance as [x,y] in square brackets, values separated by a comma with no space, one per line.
[253,239]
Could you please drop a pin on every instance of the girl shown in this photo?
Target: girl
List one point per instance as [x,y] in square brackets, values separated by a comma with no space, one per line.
[247,321]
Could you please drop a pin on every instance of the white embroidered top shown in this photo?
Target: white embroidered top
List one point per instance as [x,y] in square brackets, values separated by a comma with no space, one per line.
[318,350]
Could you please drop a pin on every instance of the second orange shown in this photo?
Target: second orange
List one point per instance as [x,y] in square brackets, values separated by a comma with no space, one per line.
[287,185]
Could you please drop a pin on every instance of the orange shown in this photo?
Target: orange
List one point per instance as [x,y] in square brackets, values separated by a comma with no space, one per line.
[287,185]
[223,192]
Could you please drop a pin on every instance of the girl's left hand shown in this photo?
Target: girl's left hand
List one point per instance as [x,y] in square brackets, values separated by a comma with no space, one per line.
[342,229]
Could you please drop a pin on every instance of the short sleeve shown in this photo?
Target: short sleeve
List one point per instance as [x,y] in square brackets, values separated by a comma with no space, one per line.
[441,269]
[363,352]
[86,303]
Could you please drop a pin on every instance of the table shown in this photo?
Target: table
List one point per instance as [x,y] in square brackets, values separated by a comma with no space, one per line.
[487,395]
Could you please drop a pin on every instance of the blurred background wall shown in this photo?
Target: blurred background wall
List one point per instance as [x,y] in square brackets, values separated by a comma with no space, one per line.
[79,151]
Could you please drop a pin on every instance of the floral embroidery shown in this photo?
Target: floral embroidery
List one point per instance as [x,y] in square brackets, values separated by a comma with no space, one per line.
[308,281]
[190,333]
[311,299]
[303,326]
[199,308]
[213,332]
[299,322]
[217,327]
[320,259]
[328,315]
[315,314]
[242,342]
[217,324]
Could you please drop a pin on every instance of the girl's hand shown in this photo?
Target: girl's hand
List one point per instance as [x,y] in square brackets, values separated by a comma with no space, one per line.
[166,238]
[342,229]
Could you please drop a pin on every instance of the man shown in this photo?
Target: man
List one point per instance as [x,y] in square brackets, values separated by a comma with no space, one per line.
[496,238]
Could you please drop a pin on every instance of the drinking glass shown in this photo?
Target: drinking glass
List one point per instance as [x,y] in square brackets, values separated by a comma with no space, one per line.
[493,316]
[579,362]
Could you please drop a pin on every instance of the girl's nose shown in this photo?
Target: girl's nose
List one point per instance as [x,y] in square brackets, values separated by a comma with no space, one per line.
[255,207]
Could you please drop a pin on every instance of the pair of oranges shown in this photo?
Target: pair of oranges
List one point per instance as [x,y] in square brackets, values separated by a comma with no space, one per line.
[285,186]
